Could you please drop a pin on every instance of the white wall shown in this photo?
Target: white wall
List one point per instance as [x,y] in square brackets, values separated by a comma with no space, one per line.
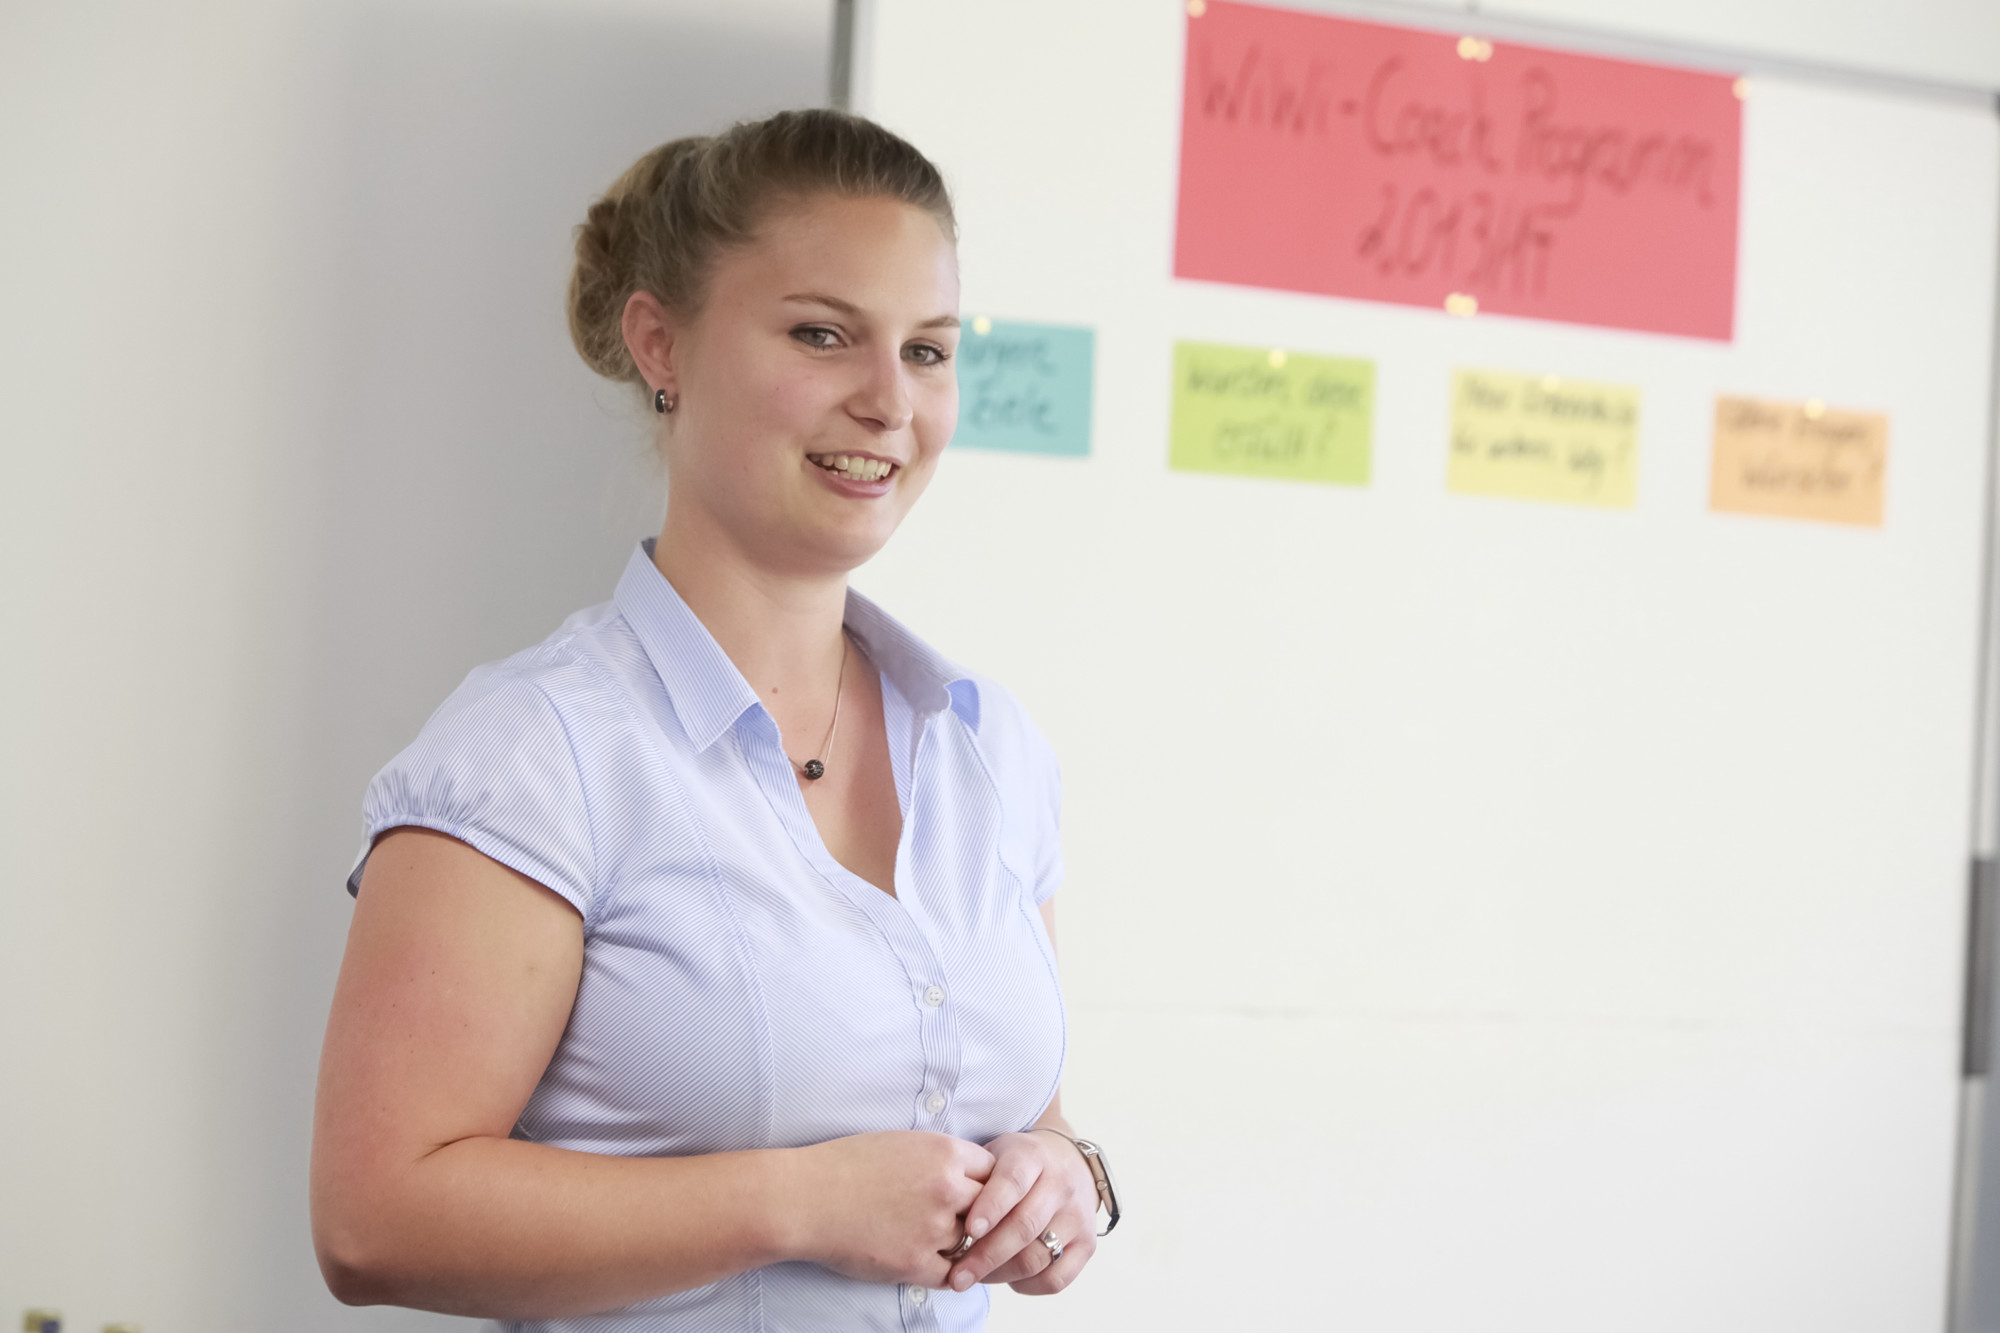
[293,437]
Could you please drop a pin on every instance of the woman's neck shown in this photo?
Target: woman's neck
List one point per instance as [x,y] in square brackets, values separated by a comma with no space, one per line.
[781,630]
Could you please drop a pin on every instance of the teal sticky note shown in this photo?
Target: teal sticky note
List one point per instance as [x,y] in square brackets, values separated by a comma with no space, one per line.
[1024,388]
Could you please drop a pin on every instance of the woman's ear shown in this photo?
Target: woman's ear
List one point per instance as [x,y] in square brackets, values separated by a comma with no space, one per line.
[649,331]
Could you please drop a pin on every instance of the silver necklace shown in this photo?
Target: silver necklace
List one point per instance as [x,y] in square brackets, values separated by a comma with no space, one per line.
[815,769]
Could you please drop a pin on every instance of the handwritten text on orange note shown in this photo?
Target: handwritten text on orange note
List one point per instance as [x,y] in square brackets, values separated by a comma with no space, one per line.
[1799,460]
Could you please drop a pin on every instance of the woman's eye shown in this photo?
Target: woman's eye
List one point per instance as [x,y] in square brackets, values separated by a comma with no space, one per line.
[925,354]
[813,335]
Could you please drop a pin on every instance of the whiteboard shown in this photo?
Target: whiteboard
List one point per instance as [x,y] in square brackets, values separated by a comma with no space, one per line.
[1481,914]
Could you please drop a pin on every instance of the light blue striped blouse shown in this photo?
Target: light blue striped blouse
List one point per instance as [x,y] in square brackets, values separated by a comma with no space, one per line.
[741,989]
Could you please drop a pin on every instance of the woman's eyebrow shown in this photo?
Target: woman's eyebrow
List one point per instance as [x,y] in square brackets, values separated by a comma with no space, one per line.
[834,303]
[820,298]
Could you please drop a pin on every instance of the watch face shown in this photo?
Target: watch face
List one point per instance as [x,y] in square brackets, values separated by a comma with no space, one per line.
[1105,1185]
[1105,1162]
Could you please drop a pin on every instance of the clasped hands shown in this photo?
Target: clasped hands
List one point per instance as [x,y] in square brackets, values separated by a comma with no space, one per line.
[910,1198]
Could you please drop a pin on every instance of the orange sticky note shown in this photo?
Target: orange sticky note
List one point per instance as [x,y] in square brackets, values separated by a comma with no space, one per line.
[1799,460]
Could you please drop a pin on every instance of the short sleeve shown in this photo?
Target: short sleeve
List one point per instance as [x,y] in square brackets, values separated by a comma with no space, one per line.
[494,768]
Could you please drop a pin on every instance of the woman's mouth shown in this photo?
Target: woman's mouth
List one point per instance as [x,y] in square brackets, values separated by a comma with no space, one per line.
[852,467]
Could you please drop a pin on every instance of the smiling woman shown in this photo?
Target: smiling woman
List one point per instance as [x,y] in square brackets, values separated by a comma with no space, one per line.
[662,1008]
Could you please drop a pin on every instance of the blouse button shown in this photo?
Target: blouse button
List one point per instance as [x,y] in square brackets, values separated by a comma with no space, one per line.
[935,1103]
[918,1295]
[934,996]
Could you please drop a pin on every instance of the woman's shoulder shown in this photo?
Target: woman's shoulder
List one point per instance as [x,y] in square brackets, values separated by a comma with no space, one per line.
[533,713]
[1026,776]
[578,668]
[995,712]
[1016,753]
[995,719]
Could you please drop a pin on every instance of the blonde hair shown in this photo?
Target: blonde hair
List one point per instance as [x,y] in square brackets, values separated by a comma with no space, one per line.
[660,226]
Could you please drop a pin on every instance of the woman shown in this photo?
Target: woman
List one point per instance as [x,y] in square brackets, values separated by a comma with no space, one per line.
[702,963]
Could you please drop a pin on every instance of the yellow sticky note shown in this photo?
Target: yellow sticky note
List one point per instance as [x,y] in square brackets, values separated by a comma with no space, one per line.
[1272,412]
[1798,460]
[1543,437]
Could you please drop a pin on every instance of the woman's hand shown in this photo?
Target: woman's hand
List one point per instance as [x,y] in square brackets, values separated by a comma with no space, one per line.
[881,1207]
[1039,1183]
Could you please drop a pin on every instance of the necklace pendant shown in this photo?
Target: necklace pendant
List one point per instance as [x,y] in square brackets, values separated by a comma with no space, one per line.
[814,769]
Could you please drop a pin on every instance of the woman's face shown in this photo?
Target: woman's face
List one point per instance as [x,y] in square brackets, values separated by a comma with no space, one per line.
[816,384]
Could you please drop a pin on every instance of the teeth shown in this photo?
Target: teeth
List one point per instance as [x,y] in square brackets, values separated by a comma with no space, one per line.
[854,468]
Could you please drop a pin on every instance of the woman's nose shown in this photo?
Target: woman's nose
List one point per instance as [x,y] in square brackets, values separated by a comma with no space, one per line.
[884,400]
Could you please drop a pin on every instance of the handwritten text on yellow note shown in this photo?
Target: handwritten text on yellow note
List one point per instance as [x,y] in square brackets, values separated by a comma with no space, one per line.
[1268,412]
[1541,437]
[1798,460]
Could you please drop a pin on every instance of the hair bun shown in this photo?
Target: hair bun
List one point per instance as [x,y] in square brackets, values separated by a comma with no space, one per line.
[599,286]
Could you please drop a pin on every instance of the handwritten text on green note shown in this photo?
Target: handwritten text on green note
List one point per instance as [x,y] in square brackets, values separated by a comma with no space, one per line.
[1268,412]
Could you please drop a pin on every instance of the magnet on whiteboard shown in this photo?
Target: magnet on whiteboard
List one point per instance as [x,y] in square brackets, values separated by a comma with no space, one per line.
[1196,8]
[1741,87]
[1463,304]
[1277,358]
[982,326]
[1474,48]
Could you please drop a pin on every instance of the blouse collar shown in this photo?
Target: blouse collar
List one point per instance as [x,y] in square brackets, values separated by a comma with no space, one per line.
[709,694]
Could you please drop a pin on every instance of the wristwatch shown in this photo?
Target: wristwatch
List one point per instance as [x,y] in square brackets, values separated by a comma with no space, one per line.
[1100,1171]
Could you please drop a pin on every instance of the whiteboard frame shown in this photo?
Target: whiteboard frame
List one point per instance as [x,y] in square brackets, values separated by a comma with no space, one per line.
[1627,46]
[1975,1269]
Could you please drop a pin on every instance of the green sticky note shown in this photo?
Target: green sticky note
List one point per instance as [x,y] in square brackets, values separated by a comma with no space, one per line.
[1271,412]
[1024,388]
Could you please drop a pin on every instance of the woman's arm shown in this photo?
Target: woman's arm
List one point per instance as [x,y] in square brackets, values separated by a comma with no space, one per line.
[456,987]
